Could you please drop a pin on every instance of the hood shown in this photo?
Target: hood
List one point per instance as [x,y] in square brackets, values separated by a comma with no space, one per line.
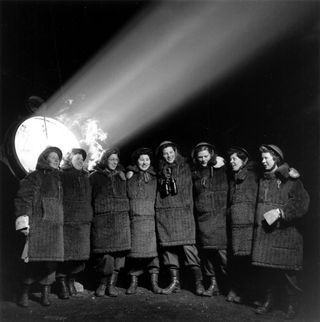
[42,162]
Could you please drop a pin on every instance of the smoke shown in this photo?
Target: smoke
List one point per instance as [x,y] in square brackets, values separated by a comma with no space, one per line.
[91,137]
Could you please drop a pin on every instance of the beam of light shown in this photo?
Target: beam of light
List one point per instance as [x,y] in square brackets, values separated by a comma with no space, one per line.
[169,54]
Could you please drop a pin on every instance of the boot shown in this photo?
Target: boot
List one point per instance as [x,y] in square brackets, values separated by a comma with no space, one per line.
[212,289]
[232,295]
[293,306]
[24,296]
[267,305]
[198,280]
[45,295]
[174,286]
[154,283]
[112,290]
[133,286]
[291,312]
[71,287]
[62,290]
[101,289]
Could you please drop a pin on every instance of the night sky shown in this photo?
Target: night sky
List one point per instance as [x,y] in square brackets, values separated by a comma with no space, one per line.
[272,99]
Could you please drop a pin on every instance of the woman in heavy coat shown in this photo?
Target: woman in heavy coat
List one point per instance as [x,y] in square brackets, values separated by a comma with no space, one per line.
[77,220]
[174,216]
[278,243]
[39,212]
[210,189]
[141,187]
[242,206]
[111,224]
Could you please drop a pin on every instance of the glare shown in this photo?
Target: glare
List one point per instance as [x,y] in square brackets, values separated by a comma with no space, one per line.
[37,133]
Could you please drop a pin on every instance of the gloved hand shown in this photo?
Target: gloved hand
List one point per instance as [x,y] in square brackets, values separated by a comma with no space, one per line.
[272,215]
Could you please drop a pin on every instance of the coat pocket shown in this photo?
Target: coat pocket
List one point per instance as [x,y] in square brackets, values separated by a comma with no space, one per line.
[52,210]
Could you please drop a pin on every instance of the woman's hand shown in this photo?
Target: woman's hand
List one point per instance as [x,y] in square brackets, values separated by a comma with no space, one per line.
[25,231]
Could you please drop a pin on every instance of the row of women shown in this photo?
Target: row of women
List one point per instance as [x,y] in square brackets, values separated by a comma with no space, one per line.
[234,219]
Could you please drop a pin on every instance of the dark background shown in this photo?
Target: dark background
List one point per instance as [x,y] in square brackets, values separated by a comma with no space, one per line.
[274,99]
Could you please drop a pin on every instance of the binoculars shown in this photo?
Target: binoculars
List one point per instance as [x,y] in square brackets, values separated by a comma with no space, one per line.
[169,187]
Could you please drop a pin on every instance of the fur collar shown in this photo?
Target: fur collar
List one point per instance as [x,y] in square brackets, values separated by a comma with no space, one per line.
[131,169]
[177,162]
[242,173]
[283,172]
[220,162]
[118,171]
[73,169]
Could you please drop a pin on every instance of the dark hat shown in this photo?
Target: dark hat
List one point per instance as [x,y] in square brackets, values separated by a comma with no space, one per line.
[136,154]
[50,149]
[79,151]
[235,149]
[199,145]
[274,149]
[163,145]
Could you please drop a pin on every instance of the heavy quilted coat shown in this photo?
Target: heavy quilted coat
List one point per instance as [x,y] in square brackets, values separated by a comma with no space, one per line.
[210,199]
[281,244]
[141,189]
[174,213]
[243,200]
[77,213]
[40,197]
[111,223]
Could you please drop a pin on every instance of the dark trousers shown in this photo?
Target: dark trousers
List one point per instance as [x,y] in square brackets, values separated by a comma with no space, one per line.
[214,262]
[106,264]
[278,281]
[42,272]
[69,268]
[241,273]
[188,253]
[139,265]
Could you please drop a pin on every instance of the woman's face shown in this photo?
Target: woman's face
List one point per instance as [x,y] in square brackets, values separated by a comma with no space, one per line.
[203,157]
[77,161]
[268,161]
[113,161]
[144,162]
[53,160]
[235,162]
[169,154]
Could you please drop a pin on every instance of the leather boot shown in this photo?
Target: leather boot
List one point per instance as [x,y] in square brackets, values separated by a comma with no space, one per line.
[133,285]
[154,283]
[292,312]
[199,290]
[101,289]
[112,290]
[212,289]
[71,287]
[174,286]
[45,295]
[234,297]
[267,305]
[24,296]
[62,288]
[293,306]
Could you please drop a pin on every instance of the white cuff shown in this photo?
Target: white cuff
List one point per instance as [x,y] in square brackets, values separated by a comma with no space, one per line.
[22,222]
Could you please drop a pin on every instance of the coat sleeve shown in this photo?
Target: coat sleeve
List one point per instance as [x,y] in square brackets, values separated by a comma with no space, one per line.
[298,202]
[29,187]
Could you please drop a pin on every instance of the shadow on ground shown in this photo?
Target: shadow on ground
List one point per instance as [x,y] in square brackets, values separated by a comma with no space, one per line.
[144,306]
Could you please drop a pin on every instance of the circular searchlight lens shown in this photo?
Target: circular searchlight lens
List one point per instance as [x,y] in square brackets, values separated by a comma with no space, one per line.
[28,139]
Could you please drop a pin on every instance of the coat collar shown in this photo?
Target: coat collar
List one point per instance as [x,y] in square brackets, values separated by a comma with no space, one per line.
[283,173]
